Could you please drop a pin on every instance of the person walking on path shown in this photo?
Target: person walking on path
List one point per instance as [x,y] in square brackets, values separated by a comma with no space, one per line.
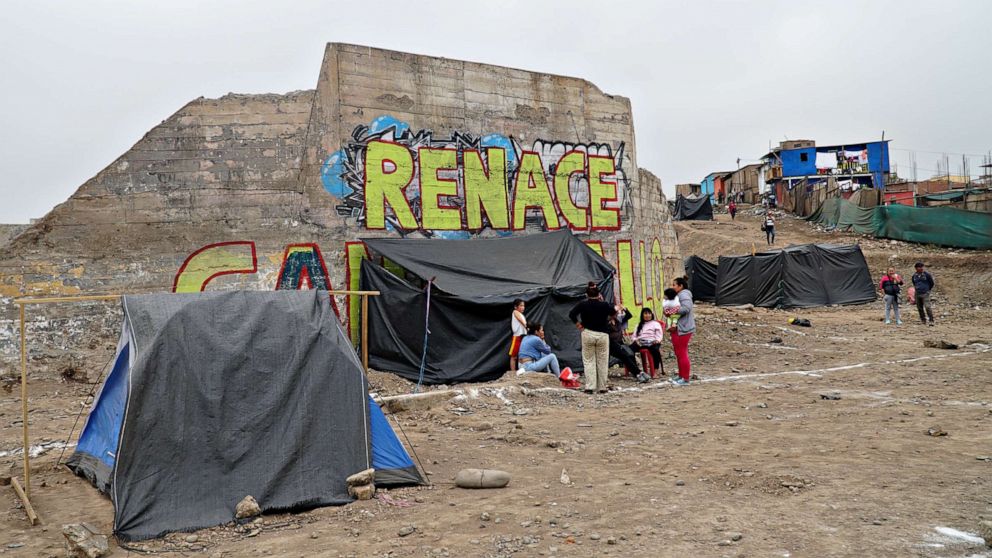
[923,283]
[769,228]
[683,330]
[592,317]
[732,208]
[890,285]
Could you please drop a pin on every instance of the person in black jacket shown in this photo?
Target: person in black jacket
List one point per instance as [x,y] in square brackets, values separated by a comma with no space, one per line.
[923,284]
[592,317]
[618,349]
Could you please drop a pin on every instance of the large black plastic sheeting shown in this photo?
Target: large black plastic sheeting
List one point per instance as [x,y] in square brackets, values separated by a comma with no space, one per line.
[689,209]
[474,284]
[803,276]
[702,278]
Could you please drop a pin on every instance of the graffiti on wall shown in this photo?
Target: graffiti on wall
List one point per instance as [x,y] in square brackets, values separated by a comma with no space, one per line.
[214,260]
[389,177]
[640,279]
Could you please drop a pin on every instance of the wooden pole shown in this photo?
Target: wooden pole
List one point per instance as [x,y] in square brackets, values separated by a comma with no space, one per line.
[28,508]
[365,330]
[47,300]
[24,407]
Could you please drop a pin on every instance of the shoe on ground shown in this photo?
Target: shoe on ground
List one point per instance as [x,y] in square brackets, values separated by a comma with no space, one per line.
[899,322]
[521,371]
[887,322]
[679,382]
[642,378]
[588,391]
[931,323]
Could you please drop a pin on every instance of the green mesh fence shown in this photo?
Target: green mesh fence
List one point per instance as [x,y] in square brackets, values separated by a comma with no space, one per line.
[945,226]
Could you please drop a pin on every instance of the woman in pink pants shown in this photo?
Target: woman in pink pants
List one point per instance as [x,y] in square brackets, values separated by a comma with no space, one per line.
[682,332]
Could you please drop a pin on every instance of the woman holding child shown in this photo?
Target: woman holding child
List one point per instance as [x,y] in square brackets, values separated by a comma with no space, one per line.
[683,329]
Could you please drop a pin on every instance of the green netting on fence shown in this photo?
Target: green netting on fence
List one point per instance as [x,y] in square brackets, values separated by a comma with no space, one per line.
[843,215]
[933,225]
[946,226]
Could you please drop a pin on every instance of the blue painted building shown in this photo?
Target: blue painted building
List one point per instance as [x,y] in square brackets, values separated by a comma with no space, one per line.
[712,185]
[855,165]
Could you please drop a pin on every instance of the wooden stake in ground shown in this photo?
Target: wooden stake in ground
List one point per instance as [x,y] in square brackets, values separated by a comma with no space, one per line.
[24,411]
[28,508]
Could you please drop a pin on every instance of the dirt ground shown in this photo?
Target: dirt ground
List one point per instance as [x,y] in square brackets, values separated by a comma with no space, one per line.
[793,442]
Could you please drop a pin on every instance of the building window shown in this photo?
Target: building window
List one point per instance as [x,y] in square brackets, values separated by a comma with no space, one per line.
[804,157]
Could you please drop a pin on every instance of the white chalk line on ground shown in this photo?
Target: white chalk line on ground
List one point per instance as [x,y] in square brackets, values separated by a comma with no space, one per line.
[815,373]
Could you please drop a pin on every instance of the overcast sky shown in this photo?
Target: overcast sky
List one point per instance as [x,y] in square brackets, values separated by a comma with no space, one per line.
[710,82]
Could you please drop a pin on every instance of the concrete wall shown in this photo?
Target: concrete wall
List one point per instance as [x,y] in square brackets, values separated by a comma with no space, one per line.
[274,191]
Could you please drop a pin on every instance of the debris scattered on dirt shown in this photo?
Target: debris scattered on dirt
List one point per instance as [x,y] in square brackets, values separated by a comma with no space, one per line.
[83,541]
[564,478]
[931,344]
[936,431]
[832,396]
[985,531]
[775,340]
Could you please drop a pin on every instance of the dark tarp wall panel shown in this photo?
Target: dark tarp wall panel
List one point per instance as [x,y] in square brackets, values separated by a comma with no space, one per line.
[803,283]
[753,280]
[845,274]
[803,276]
[733,281]
[699,209]
[471,303]
[702,278]
[236,393]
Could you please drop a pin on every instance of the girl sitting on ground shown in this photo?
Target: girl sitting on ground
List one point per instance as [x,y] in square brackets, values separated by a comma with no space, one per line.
[535,355]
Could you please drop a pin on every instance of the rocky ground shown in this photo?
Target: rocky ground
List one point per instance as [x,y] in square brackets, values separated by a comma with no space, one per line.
[849,438]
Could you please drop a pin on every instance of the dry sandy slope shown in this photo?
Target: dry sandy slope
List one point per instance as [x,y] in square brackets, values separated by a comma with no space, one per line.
[752,449]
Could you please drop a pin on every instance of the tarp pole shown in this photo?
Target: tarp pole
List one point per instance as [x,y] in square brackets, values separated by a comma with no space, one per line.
[24,408]
[365,332]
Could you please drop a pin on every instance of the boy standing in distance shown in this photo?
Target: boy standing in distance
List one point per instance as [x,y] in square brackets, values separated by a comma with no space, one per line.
[923,283]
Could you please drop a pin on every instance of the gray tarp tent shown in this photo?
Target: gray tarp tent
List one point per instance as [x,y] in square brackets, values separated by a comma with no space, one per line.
[475,282]
[216,396]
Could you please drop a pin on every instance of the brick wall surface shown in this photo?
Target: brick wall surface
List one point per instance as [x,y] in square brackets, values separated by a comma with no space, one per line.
[267,191]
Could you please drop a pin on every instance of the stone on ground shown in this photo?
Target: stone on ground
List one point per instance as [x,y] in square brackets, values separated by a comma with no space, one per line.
[482,478]
[247,507]
[81,541]
[364,477]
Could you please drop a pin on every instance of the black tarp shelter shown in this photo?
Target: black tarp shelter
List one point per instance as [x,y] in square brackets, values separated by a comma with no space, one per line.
[693,209]
[803,276]
[219,395]
[474,284]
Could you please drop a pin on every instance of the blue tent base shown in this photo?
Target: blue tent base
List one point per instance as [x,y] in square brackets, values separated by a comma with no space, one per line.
[392,464]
